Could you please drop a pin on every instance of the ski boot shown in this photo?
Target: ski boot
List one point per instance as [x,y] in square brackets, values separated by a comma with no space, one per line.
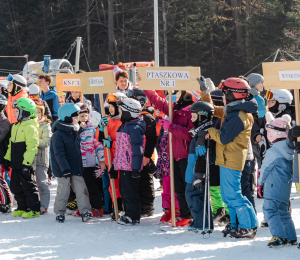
[244,233]
[97,213]
[17,213]
[228,229]
[277,242]
[264,224]
[113,216]
[31,214]
[127,221]
[71,207]
[224,220]
[60,218]
[220,214]
[76,213]
[86,216]
[166,216]
[43,210]
[183,222]
[292,242]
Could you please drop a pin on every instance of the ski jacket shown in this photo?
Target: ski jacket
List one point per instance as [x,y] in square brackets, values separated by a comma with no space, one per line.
[23,144]
[130,145]
[163,160]
[90,147]
[52,100]
[9,110]
[65,149]
[234,136]
[4,135]
[42,157]
[179,128]
[261,106]
[276,172]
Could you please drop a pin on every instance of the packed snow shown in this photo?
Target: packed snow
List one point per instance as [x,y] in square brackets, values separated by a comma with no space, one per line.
[101,238]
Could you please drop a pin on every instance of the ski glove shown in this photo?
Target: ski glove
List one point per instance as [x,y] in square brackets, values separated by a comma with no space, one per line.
[97,171]
[107,142]
[200,143]
[164,123]
[113,173]
[27,171]
[202,84]
[200,150]
[198,181]
[136,174]
[67,173]
[294,133]
[103,122]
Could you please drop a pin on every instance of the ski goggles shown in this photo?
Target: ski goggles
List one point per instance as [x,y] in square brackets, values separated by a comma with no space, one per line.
[38,101]
[61,93]
[278,129]
[14,104]
[269,95]
[84,109]
[111,98]
[10,77]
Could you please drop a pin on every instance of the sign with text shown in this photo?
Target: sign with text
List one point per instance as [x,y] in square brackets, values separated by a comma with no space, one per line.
[282,75]
[68,82]
[169,78]
[98,82]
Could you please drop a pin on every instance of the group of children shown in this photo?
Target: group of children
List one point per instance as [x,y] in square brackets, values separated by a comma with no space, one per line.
[217,142]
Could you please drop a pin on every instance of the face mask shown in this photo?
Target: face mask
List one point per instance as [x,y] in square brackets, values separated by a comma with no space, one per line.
[274,109]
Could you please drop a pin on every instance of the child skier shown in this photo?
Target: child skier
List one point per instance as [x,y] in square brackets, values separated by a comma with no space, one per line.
[276,176]
[22,148]
[42,157]
[129,158]
[232,149]
[67,162]
[202,118]
[90,150]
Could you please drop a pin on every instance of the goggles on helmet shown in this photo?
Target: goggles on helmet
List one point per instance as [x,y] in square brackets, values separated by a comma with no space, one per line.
[38,101]
[10,77]
[111,98]
[269,95]
[14,104]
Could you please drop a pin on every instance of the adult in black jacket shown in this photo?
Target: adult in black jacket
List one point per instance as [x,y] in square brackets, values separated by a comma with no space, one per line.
[4,129]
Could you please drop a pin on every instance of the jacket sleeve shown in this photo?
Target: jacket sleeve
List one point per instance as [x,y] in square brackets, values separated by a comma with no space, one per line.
[4,129]
[229,130]
[136,141]
[267,165]
[47,111]
[150,135]
[32,143]
[158,101]
[99,149]
[55,106]
[44,142]
[8,152]
[219,110]
[57,144]
[182,132]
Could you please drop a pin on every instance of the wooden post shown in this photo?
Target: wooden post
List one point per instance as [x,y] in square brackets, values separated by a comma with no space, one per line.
[81,97]
[171,163]
[296,96]
[112,181]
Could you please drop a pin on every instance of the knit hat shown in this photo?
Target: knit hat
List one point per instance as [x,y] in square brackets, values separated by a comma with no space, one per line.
[277,128]
[254,79]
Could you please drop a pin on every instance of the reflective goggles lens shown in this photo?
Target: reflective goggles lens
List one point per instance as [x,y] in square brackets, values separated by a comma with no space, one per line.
[120,101]
[14,104]
[111,98]
[9,77]
[269,95]
[38,101]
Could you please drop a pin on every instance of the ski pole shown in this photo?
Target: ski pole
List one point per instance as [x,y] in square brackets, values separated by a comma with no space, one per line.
[205,192]
[208,187]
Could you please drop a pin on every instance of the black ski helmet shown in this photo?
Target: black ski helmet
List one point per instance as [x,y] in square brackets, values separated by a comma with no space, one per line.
[138,95]
[3,102]
[217,97]
[205,112]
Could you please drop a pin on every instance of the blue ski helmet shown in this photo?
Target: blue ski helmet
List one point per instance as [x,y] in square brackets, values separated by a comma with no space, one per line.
[67,111]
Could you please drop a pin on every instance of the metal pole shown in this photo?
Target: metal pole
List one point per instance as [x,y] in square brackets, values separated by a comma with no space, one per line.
[156,36]
[78,45]
[276,55]
[134,74]
[46,63]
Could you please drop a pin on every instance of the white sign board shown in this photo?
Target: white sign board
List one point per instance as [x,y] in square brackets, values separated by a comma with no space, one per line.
[289,75]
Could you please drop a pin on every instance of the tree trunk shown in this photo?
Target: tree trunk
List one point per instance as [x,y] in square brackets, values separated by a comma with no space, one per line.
[111,34]
[236,13]
[165,33]
[88,30]
[248,51]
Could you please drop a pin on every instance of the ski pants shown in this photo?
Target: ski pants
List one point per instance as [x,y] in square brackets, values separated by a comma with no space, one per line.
[63,192]
[106,194]
[146,192]
[239,206]
[245,185]
[42,184]
[195,200]
[23,186]
[216,199]
[279,218]
[166,194]
[179,182]
[95,196]
[130,196]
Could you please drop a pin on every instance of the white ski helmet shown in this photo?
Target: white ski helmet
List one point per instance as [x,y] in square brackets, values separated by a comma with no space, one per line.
[131,105]
[19,80]
[283,96]
[34,89]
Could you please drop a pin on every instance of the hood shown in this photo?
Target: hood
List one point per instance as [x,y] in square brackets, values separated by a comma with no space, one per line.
[139,122]
[283,149]
[249,106]
[50,94]
[63,126]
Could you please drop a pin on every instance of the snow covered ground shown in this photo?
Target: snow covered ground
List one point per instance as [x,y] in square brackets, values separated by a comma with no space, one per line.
[44,238]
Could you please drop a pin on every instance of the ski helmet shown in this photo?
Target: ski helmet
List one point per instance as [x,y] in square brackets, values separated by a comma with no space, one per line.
[4,91]
[205,112]
[84,108]
[131,108]
[39,104]
[112,99]
[277,128]
[3,102]
[217,97]
[34,90]
[138,95]
[283,96]
[235,89]
[18,80]
[67,111]
[26,108]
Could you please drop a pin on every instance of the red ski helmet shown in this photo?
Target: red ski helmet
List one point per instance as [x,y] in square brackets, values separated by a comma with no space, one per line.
[235,89]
